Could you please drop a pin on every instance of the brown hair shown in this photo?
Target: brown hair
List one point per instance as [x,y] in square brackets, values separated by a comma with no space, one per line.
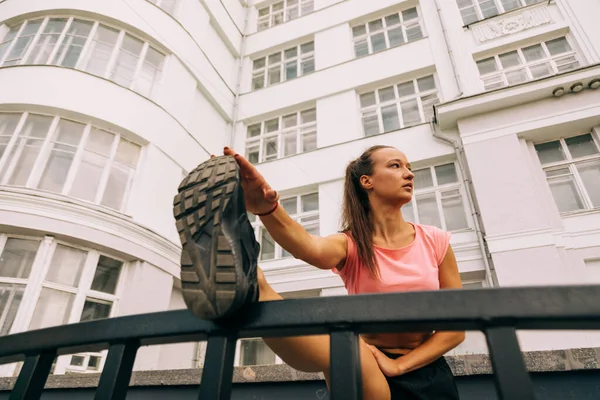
[356,212]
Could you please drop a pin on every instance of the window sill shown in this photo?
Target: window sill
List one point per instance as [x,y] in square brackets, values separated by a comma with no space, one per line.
[506,13]
[580,213]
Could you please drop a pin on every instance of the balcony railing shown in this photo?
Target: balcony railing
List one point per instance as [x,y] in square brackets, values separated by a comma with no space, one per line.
[496,312]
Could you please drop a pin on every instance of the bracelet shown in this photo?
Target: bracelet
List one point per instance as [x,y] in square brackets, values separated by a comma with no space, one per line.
[270,212]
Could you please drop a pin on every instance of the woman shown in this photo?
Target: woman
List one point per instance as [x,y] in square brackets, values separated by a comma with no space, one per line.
[377,252]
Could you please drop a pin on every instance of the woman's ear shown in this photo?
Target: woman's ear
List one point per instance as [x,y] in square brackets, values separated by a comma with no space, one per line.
[365,182]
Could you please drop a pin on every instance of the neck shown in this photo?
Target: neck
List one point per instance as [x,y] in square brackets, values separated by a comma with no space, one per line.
[388,222]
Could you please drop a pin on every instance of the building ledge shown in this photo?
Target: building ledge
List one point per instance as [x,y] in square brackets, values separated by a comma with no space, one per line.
[463,365]
[448,114]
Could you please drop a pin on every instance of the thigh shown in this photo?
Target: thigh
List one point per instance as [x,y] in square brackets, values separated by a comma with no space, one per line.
[432,382]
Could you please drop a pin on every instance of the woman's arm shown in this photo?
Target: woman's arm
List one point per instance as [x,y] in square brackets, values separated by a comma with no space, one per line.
[322,252]
[439,343]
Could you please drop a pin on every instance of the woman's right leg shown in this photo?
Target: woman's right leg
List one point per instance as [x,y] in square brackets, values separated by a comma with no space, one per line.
[311,353]
[219,271]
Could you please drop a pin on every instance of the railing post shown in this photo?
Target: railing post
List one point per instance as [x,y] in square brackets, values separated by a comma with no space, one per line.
[116,374]
[345,372]
[33,376]
[510,373]
[217,373]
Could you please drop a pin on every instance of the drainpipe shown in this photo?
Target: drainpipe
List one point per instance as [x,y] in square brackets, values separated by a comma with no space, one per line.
[450,52]
[467,183]
[235,112]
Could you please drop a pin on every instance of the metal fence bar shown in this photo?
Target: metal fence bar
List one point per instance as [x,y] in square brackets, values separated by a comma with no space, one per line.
[346,378]
[510,373]
[116,374]
[33,376]
[217,374]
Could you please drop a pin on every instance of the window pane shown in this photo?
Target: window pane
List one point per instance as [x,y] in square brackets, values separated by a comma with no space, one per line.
[127,60]
[413,32]
[408,212]
[290,53]
[390,119]
[406,89]
[410,112]
[274,75]
[267,245]
[375,25]
[17,257]
[590,175]
[308,116]
[386,94]
[467,11]
[511,4]
[392,20]
[118,183]
[291,70]
[252,153]
[516,77]
[510,59]
[309,141]
[558,46]
[565,193]
[308,66]
[367,99]
[272,125]
[258,81]
[93,164]
[61,156]
[428,210]
[290,205]
[289,143]
[8,38]
[370,123]
[106,275]
[410,14]
[53,308]
[258,64]
[581,146]
[454,211]
[66,266]
[95,309]
[23,42]
[488,8]
[253,131]
[150,72]
[359,30]
[550,152]
[446,174]
[361,47]
[540,70]
[533,53]
[423,178]
[396,36]
[127,153]
[10,299]
[426,83]
[70,48]
[256,352]
[101,49]
[487,66]
[270,149]
[310,202]
[378,42]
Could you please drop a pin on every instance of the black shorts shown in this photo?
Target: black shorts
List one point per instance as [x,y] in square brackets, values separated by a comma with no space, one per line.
[431,382]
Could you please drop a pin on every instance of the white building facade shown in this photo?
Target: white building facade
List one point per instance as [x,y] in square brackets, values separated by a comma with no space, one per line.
[105,105]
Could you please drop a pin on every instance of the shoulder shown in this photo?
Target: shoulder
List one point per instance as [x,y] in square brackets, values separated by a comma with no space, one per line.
[435,238]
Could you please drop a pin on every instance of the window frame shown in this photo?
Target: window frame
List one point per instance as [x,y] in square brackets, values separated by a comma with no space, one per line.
[499,7]
[571,163]
[82,291]
[159,4]
[376,109]
[85,53]
[498,78]
[15,150]
[301,130]
[270,16]
[437,190]
[404,25]
[299,60]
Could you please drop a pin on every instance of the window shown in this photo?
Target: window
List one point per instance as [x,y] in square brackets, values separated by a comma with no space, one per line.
[68,157]
[304,209]
[167,5]
[283,11]
[476,10]
[283,66]
[437,199]
[398,106]
[282,136]
[86,45]
[572,168]
[384,33]
[45,282]
[528,63]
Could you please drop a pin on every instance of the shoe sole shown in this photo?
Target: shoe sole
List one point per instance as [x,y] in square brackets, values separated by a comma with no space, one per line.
[214,283]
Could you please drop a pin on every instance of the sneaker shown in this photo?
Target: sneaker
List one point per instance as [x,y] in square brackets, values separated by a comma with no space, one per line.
[220,253]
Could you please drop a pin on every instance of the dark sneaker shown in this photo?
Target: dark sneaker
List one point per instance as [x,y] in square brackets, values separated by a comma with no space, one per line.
[220,252]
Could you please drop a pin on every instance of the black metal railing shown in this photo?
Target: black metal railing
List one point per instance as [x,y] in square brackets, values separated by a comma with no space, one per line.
[496,312]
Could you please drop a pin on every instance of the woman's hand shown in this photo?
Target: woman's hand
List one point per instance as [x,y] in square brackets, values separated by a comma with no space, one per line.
[388,366]
[260,198]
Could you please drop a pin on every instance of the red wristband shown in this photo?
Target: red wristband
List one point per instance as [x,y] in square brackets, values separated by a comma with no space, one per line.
[270,212]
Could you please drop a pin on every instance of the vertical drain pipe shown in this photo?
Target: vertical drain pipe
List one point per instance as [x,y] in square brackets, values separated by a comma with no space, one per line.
[235,112]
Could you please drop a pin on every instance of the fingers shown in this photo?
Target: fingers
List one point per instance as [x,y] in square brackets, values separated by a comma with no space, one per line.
[245,165]
[272,195]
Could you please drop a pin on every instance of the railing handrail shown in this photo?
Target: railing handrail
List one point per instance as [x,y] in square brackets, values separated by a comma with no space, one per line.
[558,307]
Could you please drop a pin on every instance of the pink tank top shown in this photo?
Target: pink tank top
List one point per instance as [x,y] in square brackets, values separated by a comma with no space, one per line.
[410,268]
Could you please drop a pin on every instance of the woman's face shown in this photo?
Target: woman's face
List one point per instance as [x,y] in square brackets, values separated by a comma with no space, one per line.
[392,178]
